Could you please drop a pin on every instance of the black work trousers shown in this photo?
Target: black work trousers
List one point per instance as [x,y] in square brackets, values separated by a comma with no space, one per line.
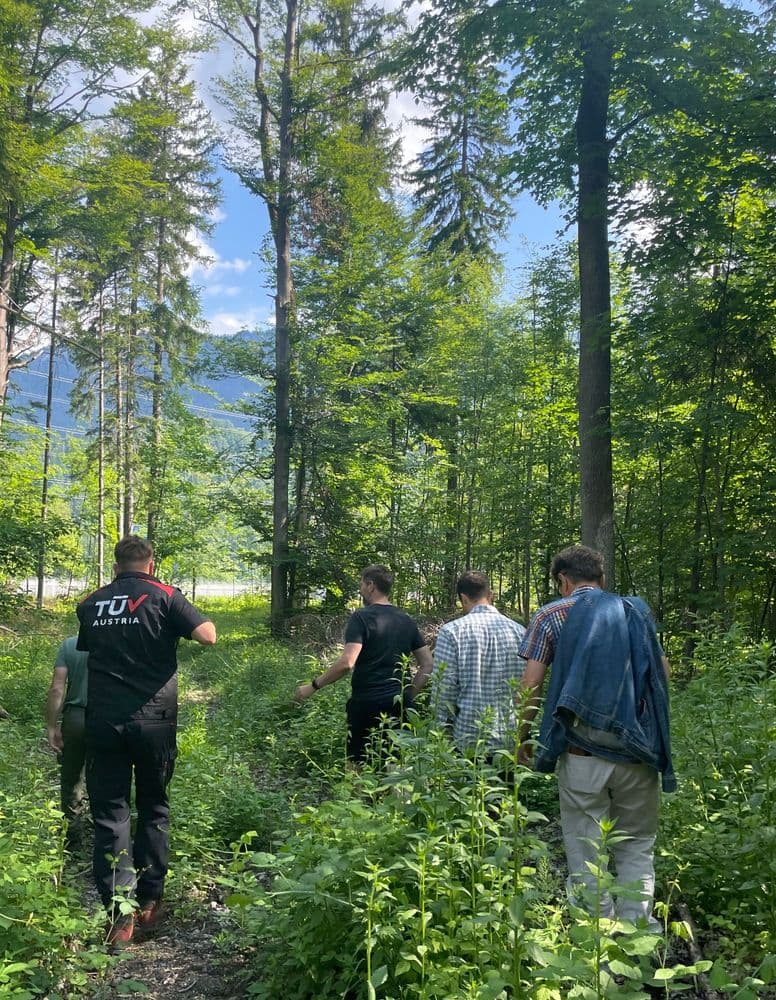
[71,766]
[366,729]
[146,747]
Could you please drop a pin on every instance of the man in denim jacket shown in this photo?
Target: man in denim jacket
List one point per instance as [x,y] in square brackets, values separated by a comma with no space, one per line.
[605,725]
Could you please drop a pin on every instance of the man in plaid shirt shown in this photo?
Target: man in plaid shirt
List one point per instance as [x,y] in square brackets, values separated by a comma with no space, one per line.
[584,635]
[477,668]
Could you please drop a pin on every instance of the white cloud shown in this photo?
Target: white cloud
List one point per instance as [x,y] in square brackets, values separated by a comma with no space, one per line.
[223,291]
[223,57]
[237,265]
[224,324]
[211,262]
[402,108]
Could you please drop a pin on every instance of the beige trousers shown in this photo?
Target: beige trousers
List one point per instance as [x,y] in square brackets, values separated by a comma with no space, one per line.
[592,789]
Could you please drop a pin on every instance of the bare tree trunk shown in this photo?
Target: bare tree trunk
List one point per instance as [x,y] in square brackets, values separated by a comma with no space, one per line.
[283,318]
[300,526]
[528,529]
[101,447]
[129,417]
[276,189]
[119,390]
[529,434]
[452,521]
[154,492]
[660,539]
[47,444]
[6,323]
[595,443]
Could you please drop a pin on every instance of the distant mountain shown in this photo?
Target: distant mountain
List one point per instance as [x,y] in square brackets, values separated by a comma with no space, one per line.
[219,390]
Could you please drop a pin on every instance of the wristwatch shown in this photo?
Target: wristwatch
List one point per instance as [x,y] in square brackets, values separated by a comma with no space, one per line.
[315,685]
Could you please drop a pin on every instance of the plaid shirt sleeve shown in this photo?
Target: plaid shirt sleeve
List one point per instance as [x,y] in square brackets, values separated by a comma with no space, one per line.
[539,641]
[445,684]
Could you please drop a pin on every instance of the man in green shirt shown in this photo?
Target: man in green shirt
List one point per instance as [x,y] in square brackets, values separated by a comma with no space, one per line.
[67,695]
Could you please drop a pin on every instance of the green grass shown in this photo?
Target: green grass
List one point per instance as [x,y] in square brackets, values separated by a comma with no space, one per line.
[431,881]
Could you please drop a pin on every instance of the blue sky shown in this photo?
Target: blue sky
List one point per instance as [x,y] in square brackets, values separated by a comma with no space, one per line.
[234,284]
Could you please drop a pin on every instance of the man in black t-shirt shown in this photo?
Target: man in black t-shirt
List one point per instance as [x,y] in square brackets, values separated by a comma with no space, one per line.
[377,639]
[131,628]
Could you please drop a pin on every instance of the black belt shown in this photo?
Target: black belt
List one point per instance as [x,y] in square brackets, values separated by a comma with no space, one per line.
[579,752]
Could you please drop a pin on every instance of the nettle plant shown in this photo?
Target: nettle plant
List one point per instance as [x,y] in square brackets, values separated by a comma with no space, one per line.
[433,879]
[47,939]
[719,828]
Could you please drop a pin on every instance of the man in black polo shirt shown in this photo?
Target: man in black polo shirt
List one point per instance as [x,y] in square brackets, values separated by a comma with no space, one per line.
[131,629]
[377,638]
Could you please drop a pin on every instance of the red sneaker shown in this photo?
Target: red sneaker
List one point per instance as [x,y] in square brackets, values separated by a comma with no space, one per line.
[120,931]
[149,915]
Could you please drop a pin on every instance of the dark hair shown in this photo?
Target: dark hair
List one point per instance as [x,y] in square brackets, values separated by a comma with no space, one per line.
[578,563]
[133,551]
[473,583]
[380,576]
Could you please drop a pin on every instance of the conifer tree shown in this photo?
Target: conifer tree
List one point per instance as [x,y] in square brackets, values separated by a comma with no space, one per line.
[55,61]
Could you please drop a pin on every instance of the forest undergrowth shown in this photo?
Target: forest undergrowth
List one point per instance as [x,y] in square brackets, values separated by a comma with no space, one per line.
[432,878]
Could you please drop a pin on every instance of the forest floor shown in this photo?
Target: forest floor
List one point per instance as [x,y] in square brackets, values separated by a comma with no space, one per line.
[182,958]
[249,760]
[184,955]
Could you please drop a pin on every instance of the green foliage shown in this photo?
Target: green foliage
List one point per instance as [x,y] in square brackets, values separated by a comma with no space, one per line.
[48,937]
[718,830]
[247,757]
[25,671]
[435,878]
[431,881]
[21,529]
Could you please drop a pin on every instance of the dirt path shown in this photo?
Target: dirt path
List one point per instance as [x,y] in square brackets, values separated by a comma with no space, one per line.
[180,959]
[184,955]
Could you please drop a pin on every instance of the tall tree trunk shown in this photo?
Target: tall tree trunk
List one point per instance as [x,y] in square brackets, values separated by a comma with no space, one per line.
[129,418]
[452,520]
[101,446]
[660,539]
[296,598]
[47,444]
[595,443]
[283,319]
[155,492]
[119,390]
[525,601]
[155,465]
[6,321]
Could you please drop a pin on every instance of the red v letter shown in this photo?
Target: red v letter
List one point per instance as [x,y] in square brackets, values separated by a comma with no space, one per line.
[134,605]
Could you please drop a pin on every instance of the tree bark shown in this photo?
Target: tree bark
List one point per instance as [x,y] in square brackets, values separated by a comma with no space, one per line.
[452,521]
[595,443]
[119,391]
[283,319]
[47,444]
[154,493]
[101,447]
[6,323]
[129,417]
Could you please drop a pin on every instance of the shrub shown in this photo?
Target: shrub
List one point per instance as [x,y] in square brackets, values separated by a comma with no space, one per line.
[718,830]
[46,932]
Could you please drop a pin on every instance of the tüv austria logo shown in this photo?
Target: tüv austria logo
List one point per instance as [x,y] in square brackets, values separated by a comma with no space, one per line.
[119,610]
